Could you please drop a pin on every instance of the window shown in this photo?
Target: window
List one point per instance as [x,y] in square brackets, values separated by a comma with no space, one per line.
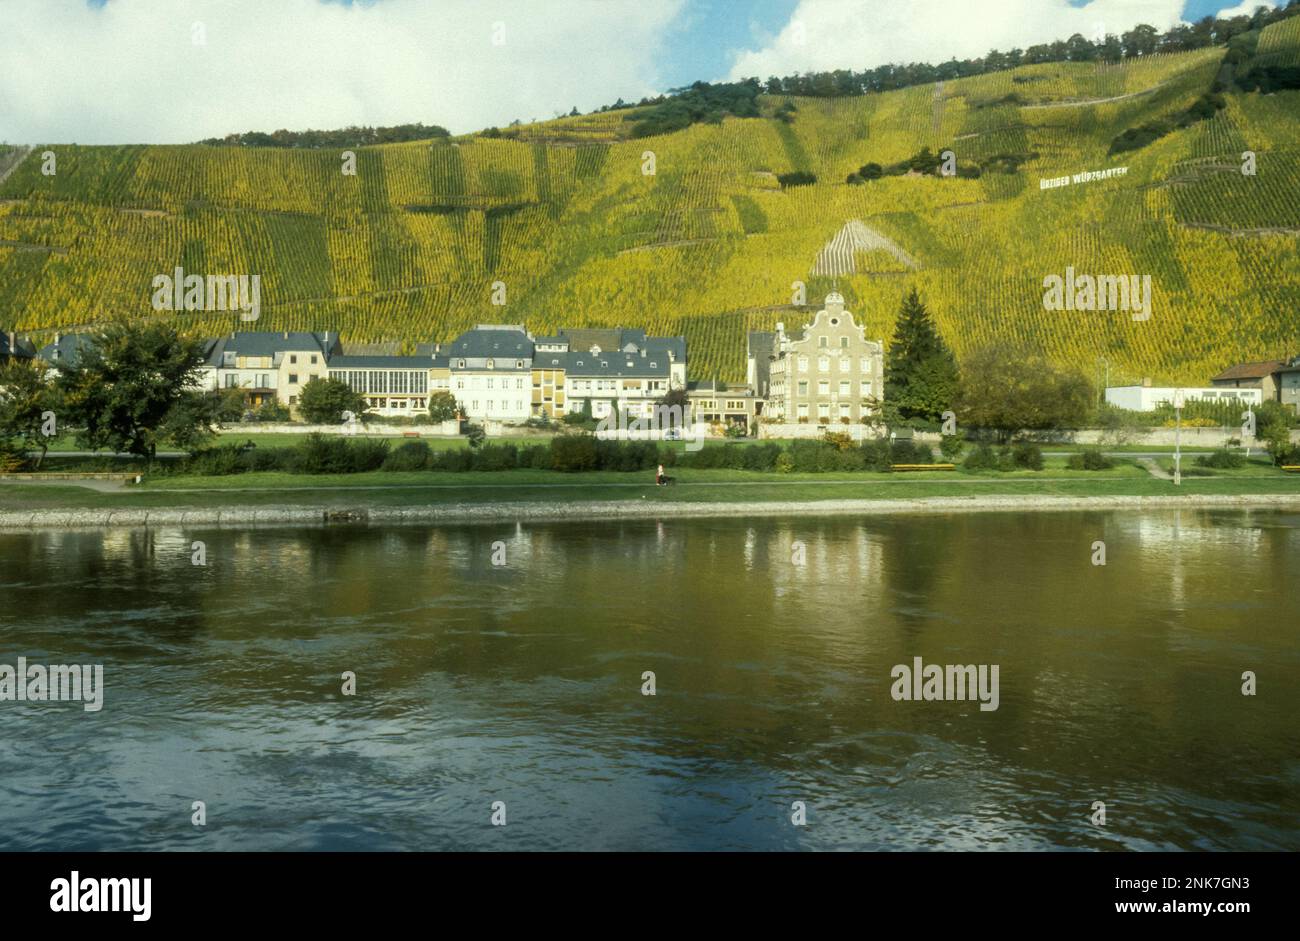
[823,387]
[824,364]
[460,364]
[489,382]
[519,364]
[844,387]
[823,410]
[844,410]
[519,383]
[865,364]
[823,342]
[491,364]
[803,386]
[803,411]
[844,343]
[314,360]
[460,383]
[293,378]
[845,364]
[866,388]
[803,363]
[293,360]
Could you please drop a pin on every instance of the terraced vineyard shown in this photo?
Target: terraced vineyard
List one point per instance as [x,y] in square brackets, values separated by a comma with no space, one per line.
[710,244]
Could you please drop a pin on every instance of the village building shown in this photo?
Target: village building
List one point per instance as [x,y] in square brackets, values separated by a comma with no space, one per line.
[825,373]
[491,372]
[617,368]
[268,366]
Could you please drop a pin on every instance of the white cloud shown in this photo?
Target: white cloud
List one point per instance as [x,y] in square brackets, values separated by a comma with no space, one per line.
[858,34]
[1245,8]
[131,72]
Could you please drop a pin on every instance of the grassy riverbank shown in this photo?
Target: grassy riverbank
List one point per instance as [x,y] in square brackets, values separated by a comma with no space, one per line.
[423,488]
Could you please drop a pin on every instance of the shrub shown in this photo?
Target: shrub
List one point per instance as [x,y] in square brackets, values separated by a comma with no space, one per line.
[982,458]
[951,447]
[536,456]
[573,453]
[1222,459]
[1026,455]
[784,464]
[333,454]
[910,452]
[1091,459]
[217,462]
[411,456]
[323,401]
[495,457]
[796,178]
[272,411]
[761,457]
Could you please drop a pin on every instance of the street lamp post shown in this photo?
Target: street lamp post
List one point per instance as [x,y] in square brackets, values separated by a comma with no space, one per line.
[1178,437]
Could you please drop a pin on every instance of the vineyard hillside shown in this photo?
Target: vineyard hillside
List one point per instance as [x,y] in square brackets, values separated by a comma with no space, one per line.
[566,215]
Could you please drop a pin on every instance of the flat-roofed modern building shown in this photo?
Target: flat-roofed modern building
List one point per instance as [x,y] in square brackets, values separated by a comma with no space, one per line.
[1145,398]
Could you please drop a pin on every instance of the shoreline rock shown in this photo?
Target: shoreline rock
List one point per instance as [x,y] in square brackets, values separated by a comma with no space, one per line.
[542,511]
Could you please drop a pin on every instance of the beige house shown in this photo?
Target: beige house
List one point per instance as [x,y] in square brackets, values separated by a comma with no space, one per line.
[716,403]
[826,373]
[1264,376]
[268,365]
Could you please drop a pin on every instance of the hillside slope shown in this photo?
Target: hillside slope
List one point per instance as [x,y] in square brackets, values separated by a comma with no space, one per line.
[710,245]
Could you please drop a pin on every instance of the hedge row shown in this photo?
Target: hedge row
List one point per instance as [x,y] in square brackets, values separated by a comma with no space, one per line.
[330,454]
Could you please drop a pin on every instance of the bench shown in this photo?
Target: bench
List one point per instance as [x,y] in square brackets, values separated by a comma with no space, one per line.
[922,467]
[410,434]
[1291,468]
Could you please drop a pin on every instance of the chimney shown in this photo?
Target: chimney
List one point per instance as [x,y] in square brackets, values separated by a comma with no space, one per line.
[286,334]
[1146,382]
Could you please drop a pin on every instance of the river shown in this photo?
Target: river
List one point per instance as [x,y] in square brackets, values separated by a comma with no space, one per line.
[501,671]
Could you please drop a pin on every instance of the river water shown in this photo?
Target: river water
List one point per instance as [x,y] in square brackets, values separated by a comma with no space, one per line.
[771,643]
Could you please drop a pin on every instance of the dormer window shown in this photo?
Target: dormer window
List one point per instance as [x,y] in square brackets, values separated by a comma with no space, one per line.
[491,364]
[460,364]
[519,364]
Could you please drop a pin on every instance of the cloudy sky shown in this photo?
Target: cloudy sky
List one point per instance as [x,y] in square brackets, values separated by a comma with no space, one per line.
[172,71]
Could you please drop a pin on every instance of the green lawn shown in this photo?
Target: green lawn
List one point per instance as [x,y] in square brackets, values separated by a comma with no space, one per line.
[423,488]
[1254,467]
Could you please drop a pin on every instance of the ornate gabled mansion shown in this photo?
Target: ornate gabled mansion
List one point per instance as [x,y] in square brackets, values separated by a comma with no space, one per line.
[827,372]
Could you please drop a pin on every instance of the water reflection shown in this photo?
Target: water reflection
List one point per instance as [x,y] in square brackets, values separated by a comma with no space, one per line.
[772,642]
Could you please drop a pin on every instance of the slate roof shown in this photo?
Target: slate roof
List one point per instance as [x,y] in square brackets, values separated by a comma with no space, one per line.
[483,342]
[613,365]
[67,348]
[21,348]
